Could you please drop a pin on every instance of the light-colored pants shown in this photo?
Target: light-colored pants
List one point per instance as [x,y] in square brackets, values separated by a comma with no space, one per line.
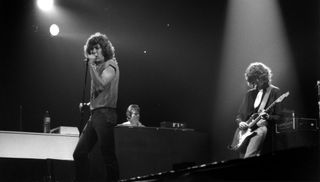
[255,144]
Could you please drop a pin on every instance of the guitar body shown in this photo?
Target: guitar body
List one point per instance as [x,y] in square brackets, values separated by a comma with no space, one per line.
[240,138]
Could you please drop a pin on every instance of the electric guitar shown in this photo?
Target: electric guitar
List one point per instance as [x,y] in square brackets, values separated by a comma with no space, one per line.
[242,135]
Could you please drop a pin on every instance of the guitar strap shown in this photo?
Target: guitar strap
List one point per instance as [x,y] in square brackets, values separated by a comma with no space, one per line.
[265,99]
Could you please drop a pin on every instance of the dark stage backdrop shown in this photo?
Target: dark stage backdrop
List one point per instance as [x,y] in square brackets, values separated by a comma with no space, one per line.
[169,54]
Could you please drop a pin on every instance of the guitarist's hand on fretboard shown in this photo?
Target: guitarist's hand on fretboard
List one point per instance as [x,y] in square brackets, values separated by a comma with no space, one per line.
[263,120]
[264,115]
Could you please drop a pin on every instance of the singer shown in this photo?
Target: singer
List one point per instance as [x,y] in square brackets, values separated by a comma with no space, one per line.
[104,73]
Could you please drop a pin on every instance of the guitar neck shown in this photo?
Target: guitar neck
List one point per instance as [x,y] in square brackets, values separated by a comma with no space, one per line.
[251,124]
[268,108]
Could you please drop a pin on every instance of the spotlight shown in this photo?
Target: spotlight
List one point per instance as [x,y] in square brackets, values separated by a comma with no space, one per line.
[54,30]
[45,5]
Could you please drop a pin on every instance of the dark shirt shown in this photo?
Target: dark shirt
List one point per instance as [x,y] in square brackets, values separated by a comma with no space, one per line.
[247,109]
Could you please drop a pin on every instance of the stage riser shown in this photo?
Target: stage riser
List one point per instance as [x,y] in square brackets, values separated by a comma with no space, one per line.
[299,164]
[35,170]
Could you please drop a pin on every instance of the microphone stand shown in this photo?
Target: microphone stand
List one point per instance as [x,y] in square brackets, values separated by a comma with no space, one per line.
[83,98]
[318,85]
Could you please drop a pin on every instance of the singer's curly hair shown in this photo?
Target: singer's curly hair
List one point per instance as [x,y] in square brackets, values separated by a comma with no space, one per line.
[108,50]
[257,70]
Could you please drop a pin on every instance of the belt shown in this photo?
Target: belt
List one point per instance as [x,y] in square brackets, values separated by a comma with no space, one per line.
[100,108]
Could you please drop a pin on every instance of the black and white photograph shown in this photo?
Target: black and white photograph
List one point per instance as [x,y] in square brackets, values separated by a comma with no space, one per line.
[150,90]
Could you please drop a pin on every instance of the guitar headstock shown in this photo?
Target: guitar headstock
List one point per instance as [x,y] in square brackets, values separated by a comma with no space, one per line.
[282,97]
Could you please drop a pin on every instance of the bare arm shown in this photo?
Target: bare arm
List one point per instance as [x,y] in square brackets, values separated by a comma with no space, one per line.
[106,76]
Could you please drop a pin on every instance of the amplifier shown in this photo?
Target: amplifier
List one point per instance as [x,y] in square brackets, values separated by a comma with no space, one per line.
[166,124]
[297,124]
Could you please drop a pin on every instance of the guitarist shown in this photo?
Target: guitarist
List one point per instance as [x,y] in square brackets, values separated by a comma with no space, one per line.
[262,92]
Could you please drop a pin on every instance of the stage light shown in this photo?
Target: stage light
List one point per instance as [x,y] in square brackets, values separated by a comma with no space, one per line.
[54,30]
[254,32]
[45,5]
[248,39]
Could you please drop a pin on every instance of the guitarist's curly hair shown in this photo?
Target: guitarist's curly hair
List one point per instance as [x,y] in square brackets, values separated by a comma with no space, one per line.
[258,70]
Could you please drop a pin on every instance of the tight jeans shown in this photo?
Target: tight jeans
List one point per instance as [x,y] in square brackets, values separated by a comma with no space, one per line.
[99,129]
